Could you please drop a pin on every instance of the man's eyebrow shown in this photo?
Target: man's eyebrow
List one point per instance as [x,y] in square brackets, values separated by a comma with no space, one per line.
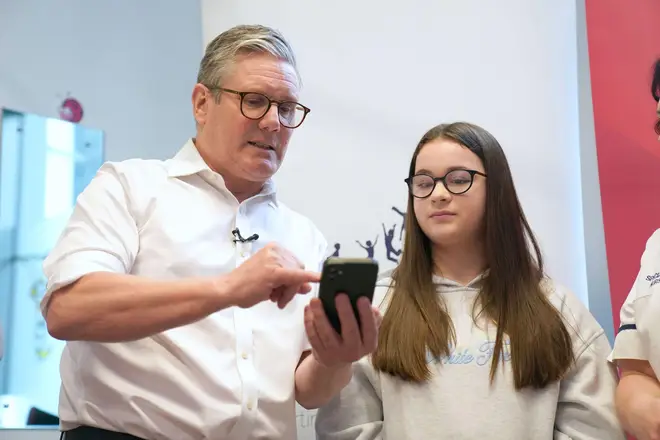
[278,96]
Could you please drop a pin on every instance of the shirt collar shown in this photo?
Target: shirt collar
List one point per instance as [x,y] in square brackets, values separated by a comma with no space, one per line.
[188,161]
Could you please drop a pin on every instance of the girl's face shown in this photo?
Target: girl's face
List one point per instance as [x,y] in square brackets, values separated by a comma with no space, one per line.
[451,214]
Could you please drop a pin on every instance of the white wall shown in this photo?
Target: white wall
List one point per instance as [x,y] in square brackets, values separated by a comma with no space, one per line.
[132,64]
[378,74]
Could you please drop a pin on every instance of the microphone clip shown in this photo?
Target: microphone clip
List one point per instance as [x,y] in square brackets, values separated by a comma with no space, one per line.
[239,238]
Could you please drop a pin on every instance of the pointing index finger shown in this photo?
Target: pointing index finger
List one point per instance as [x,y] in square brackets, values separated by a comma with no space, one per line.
[297,276]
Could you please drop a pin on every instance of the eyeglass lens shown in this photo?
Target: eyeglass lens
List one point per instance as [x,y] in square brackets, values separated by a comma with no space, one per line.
[255,106]
[456,182]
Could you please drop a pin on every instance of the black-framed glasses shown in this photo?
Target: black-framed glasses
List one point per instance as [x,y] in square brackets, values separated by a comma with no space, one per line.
[255,106]
[456,182]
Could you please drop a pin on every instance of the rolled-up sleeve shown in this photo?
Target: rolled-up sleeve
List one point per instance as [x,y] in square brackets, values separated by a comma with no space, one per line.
[100,236]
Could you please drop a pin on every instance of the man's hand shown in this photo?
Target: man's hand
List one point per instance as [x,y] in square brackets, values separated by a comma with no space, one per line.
[355,341]
[272,273]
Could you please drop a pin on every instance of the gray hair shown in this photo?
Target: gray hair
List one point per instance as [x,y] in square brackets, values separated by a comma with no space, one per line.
[222,51]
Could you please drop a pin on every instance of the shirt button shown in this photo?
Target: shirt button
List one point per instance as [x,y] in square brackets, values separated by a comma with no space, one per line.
[250,406]
[242,254]
[244,355]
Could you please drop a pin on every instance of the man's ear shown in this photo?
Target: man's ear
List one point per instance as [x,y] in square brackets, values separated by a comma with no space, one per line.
[201,97]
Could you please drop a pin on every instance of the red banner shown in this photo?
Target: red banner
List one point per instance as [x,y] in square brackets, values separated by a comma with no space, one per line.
[624,41]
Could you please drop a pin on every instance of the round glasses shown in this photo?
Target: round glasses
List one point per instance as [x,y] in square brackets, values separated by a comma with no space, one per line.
[255,106]
[456,182]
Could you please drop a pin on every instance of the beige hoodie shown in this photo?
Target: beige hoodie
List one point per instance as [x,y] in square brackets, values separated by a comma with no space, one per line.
[459,402]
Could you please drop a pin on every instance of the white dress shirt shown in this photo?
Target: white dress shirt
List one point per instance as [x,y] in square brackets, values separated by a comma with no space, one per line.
[229,376]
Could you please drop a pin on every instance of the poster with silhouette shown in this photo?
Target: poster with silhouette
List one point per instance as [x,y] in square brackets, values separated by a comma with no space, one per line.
[391,244]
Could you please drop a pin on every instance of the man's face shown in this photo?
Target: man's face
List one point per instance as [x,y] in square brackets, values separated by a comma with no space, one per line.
[241,149]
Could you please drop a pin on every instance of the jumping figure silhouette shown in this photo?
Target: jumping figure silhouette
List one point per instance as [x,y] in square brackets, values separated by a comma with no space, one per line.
[369,247]
[389,236]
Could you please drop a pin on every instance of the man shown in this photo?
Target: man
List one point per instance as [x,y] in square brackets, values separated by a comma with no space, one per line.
[182,287]
[637,345]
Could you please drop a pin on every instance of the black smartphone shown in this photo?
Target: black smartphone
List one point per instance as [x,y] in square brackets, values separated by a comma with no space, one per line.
[355,277]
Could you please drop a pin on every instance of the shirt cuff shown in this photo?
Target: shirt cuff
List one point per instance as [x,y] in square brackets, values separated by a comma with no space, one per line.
[71,268]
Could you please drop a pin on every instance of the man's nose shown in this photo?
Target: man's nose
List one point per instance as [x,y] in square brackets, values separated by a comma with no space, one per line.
[271,120]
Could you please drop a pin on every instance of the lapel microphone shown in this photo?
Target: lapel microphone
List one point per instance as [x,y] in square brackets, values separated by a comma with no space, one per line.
[238,237]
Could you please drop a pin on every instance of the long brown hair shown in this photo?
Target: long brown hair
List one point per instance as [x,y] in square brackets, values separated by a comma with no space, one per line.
[512,296]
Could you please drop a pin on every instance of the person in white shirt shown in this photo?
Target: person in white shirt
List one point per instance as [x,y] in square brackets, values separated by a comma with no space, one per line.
[184,288]
[476,341]
[637,345]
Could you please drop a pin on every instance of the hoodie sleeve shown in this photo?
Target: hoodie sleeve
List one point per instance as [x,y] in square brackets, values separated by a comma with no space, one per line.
[585,405]
[357,412]
[585,409]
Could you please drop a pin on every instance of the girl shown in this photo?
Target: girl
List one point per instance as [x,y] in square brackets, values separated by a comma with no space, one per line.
[475,343]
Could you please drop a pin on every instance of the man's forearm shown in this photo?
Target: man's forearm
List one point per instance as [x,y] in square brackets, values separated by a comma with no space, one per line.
[107,307]
[316,385]
[633,394]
